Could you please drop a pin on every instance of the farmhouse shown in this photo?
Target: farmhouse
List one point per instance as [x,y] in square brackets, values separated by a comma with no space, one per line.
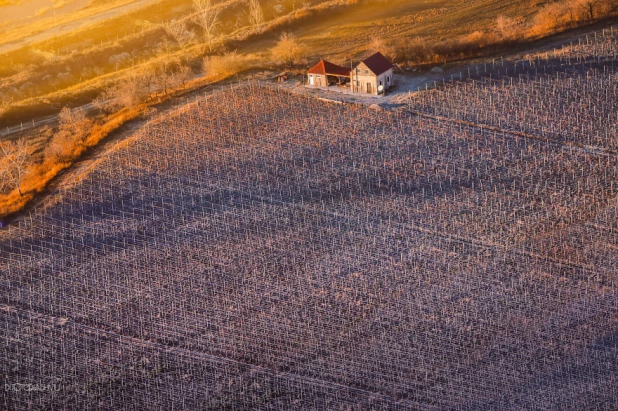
[373,76]
[326,73]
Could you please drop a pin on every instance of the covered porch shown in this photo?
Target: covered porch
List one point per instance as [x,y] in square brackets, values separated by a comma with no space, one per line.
[326,74]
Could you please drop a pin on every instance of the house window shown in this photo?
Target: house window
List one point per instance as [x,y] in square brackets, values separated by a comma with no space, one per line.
[366,71]
[388,79]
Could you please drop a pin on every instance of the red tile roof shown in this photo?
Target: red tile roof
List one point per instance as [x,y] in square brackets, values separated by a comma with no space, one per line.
[326,67]
[378,64]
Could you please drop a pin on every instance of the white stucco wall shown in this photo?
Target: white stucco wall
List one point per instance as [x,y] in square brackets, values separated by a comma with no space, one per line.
[318,80]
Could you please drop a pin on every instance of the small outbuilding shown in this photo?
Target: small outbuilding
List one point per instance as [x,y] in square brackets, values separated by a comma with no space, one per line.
[373,76]
[326,73]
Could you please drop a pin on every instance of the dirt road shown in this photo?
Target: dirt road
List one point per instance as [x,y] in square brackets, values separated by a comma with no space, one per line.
[68,27]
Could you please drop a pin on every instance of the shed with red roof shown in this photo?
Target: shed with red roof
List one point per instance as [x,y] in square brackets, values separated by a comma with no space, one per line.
[326,73]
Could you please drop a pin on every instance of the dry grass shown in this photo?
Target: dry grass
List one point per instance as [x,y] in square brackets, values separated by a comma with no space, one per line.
[217,68]
[444,30]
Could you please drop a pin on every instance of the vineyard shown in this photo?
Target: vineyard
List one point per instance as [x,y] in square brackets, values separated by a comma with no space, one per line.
[264,250]
[570,95]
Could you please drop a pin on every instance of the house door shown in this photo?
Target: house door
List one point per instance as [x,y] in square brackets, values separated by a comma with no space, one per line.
[311,82]
[369,90]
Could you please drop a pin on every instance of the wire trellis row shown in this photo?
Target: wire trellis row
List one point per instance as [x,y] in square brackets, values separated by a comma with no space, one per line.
[573,108]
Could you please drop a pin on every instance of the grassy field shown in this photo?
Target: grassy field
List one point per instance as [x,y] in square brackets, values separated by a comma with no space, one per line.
[348,32]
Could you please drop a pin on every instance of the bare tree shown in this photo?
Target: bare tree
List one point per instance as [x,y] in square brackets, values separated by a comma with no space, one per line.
[589,7]
[377,44]
[163,78]
[256,16]
[179,32]
[144,83]
[288,49]
[75,123]
[208,19]
[182,75]
[61,148]
[569,9]
[551,17]
[506,28]
[14,166]
[128,93]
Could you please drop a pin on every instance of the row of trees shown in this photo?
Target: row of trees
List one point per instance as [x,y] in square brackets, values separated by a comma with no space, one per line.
[568,13]
[208,18]
[159,77]
[552,17]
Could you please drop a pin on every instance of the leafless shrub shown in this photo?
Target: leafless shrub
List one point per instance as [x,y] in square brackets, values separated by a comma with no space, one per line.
[288,50]
[14,163]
